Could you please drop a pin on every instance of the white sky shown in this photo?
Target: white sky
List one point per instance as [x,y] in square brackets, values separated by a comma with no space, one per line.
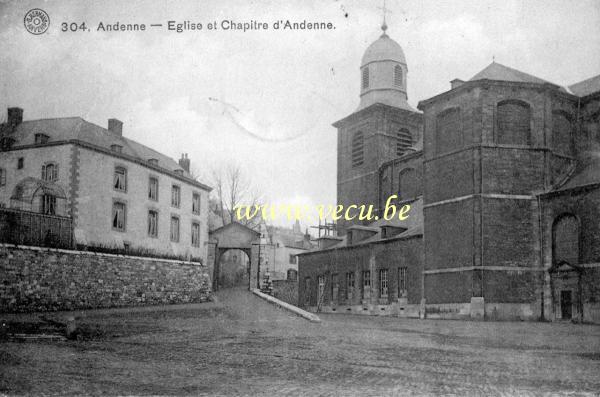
[287,83]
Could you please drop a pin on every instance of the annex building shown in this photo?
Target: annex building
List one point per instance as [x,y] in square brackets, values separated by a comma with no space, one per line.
[502,173]
[117,194]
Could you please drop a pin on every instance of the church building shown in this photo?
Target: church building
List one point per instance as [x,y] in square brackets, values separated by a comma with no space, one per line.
[502,176]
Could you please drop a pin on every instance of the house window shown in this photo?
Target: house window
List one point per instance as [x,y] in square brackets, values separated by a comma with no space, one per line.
[120,179]
[41,139]
[514,122]
[50,172]
[365,77]
[321,284]
[174,229]
[153,188]
[2,177]
[153,161]
[402,282]
[349,284]
[335,286]
[175,196]
[358,141]
[118,216]
[398,76]
[292,258]
[48,204]
[403,141]
[383,283]
[153,223]
[366,277]
[292,275]
[306,290]
[196,234]
[20,163]
[116,148]
[196,203]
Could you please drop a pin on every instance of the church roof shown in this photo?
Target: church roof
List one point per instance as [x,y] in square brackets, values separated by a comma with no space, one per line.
[586,87]
[588,174]
[496,71]
[383,49]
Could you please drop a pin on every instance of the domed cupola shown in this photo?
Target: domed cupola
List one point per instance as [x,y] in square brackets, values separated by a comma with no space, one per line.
[383,74]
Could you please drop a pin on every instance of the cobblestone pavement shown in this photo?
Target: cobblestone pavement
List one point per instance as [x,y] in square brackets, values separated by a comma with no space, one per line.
[245,346]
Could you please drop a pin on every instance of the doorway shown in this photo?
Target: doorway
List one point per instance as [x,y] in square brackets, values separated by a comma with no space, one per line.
[566,305]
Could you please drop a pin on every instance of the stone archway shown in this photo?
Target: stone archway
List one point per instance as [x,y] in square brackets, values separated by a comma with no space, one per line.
[234,236]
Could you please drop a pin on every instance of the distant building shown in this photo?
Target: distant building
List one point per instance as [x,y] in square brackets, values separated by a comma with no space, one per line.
[117,192]
[503,176]
[286,244]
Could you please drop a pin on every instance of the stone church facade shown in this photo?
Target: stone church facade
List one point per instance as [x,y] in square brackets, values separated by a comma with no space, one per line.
[502,173]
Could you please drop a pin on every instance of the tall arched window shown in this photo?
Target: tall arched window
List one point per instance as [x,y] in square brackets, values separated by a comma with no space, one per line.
[565,239]
[561,133]
[403,141]
[358,143]
[448,133]
[50,172]
[409,184]
[514,122]
[398,76]
[365,77]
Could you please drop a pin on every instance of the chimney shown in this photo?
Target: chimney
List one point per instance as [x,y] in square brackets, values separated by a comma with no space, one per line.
[184,162]
[115,127]
[456,83]
[15,116]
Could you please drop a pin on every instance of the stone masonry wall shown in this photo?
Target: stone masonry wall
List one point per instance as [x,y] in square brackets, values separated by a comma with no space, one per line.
[38,279]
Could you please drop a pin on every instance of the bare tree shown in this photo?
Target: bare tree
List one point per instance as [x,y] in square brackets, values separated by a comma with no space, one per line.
[231,188]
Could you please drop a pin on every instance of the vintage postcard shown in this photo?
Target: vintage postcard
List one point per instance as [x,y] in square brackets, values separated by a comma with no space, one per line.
[322,197]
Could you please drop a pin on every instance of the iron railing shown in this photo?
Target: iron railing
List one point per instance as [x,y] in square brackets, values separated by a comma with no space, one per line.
[35,229]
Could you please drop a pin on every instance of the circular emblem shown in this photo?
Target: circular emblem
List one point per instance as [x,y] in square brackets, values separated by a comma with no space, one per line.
[36,21]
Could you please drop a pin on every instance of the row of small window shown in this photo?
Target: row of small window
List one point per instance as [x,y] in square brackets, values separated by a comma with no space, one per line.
[119,221]
[366,283]
[120,184]
[397,77]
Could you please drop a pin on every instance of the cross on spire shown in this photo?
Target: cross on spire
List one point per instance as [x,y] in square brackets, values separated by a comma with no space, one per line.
[385,11]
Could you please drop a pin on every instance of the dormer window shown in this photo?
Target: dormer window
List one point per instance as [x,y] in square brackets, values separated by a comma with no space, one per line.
[179,172]
[116,148]
[6,143]
[153,161]
[41,139]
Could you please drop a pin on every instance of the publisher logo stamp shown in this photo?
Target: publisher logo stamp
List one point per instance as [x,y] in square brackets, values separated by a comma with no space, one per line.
[36,21]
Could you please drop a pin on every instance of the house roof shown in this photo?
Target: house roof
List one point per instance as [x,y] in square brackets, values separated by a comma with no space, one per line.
[76,128]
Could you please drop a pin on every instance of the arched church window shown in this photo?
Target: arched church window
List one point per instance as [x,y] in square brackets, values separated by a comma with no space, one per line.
[514,122]
[403,141]
[365,77]
[358,142]
[565,239]
[409,184]
[398,76]
[448,136]
[561,133]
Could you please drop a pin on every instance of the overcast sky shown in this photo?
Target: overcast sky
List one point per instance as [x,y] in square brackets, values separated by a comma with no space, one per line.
[286,85]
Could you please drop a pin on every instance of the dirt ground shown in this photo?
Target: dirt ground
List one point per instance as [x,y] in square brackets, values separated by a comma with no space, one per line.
[242,345]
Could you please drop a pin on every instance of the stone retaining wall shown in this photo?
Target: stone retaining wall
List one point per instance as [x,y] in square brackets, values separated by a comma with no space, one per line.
[40,279]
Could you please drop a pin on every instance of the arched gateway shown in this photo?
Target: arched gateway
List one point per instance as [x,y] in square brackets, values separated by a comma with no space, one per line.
[234,236]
